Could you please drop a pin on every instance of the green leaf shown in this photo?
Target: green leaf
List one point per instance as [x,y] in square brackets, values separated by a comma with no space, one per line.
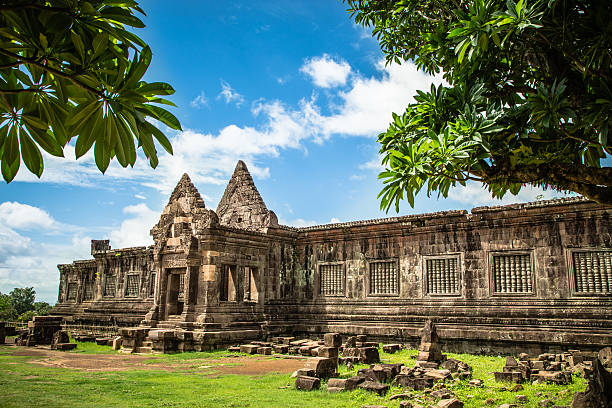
[111,129]
[45,139]
[126,140]
[78,44]
[159,136]
[163,115]
[102,155]
[463,50]
[3,133]
[10,155]
[30,154]
[138,67]
[155,88]
[82,113]
[88,135]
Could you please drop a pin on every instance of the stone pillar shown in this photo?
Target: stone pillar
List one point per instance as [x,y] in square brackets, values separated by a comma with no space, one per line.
[100,278]
[191,290]
[158,310]
[208,284]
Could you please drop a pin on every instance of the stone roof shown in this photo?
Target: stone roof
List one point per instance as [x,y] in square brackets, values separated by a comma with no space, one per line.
[452,213]
[242,206]
[532,204]
[389,220]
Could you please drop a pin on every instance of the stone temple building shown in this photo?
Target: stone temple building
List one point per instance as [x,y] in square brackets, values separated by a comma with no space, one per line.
[529,277]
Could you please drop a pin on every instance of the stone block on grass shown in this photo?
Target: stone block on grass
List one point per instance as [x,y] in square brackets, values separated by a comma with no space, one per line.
[391,348]
[305,383]
[266,351]
[65,346]
[369,355]
[281,348]
[322,367]
[514,376]
[329,352]
[415,383]
[249,348]
[332,340]
[375,387]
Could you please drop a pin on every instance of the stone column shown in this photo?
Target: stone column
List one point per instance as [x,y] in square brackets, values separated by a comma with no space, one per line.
[99,278]
[191,290]
[162,290]
[157,311]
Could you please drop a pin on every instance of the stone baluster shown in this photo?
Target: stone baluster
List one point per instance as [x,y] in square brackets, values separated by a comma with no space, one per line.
[515,272]
[596,272]
[608,263]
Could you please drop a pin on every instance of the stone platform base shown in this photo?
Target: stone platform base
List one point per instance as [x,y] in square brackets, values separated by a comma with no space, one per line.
[177,340]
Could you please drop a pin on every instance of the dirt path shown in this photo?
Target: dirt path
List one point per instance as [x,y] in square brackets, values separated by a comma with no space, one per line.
[122,362]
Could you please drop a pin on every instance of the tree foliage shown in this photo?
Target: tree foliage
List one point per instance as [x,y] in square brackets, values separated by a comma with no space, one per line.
[70,70]
[20,305]
[42,308]
[527,99]
[7,312]
[22,299]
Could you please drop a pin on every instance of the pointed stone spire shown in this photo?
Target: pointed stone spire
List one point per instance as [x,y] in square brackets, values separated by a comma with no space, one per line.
[187,191]
[242,206]
[186,209]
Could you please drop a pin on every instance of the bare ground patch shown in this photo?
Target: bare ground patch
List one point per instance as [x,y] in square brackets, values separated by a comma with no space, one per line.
[122,362]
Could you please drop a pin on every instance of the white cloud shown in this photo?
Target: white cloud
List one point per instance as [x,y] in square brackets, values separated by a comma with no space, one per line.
[364,110]
[298,222]
[22,216]
[374,165]
[230,95]
[134,231]
[12,243]
[474,194]
[140,197]
[325,72]
[366,107]
[25,261]
[199,101]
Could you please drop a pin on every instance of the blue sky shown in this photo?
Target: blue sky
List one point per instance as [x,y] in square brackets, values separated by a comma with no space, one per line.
[293,88]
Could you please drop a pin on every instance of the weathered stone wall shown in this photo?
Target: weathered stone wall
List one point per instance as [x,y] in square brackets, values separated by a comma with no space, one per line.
[96,291]
[543,236]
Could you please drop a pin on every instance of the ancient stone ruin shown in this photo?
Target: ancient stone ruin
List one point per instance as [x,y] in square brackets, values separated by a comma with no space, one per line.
[490,277]
[45,330]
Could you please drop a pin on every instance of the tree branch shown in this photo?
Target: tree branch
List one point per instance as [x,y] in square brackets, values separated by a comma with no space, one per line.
[574,60]
[12,65]
[53,71]
[592,182]
[34,6]
[18,91]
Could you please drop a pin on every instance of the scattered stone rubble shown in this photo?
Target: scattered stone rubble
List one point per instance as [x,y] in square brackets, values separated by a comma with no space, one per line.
[433,370]
[61,341]
[40,331]
[598,392]
[378,378]
[548,367]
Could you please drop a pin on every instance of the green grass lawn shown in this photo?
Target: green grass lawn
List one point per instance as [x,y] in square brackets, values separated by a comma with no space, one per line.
[25,384]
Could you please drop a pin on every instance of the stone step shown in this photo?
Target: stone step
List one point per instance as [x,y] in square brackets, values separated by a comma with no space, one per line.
[166,325]
[143,350]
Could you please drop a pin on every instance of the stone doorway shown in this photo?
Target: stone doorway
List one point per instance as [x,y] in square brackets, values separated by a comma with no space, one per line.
[175,298]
